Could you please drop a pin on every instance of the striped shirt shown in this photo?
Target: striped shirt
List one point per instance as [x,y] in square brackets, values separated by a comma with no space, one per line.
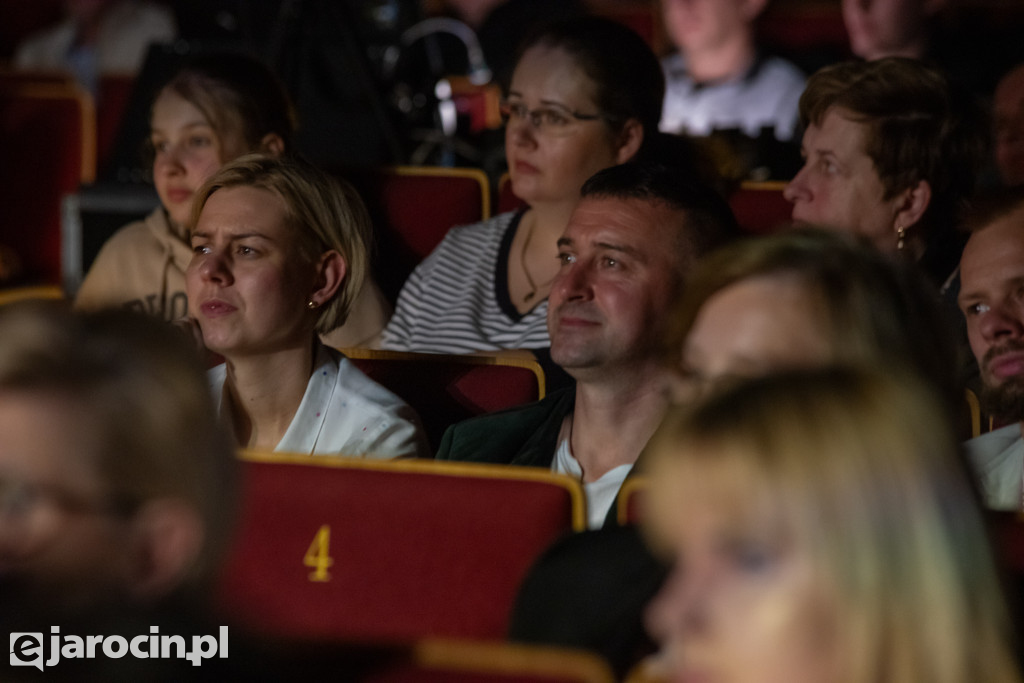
[457,300]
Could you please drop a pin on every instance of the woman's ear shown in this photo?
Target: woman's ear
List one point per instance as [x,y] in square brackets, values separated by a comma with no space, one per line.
[272,144]
[630,138]
[331,271]
[911,204]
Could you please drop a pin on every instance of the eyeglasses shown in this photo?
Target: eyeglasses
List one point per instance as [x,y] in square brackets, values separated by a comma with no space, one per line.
[551,120]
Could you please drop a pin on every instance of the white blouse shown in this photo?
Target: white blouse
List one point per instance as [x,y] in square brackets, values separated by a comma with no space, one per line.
[344,412]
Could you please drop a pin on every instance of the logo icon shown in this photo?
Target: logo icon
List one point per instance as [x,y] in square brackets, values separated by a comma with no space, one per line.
[27,649]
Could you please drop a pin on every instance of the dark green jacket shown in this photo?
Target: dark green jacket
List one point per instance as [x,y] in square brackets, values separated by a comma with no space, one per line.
[526,435]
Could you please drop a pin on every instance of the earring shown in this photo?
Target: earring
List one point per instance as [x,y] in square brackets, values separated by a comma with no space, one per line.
[311,304]
[901,237]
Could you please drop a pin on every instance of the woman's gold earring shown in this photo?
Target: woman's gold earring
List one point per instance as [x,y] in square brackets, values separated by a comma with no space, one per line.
[311,304]
[901,237]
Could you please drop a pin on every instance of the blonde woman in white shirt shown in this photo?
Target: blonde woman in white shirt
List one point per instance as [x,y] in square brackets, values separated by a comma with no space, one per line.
[279,255]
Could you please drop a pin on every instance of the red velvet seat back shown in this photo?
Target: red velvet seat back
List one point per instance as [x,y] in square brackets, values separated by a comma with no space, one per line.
[412,208]
[47,134]
[507,199]
[446,389]
[114,93]
[1008,535]
[345,548]
[631,501]
[760,208]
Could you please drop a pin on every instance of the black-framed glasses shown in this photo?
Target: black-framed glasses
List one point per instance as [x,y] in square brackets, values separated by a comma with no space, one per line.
[552,119]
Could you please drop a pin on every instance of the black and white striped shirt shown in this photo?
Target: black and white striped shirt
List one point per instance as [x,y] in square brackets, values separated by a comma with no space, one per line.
[457,300]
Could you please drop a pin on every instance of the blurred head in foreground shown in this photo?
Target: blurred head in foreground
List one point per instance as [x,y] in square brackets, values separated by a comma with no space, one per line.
[808,298]
[824,529]
[116,481]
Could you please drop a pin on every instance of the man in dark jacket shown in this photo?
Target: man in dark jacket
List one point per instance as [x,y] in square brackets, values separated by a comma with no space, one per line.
[625,253]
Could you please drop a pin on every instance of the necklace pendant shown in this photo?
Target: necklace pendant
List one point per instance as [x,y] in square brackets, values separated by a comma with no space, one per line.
[529,295]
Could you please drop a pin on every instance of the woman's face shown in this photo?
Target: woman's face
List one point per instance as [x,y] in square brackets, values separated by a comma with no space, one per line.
[838,187]
[187,152]
[56,526]
[248,284]
[550,164]
[744,602]
[752,327]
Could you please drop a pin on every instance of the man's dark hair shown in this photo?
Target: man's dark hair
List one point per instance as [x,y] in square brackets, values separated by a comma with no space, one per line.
[709,220]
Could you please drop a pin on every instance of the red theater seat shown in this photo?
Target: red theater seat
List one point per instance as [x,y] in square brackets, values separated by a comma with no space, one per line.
[48,138]
[445,389]
[413,207]
[1008,535]
[111,102]
[341,548]
[631,500]
[507,199]
[760,208]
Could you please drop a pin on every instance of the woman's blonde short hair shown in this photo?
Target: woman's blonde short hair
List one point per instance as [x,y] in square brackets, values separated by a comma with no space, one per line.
[870,483]
[145,391]
[325,213]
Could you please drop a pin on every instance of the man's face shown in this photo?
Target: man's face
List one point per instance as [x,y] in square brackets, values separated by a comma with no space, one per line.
[992,301]
[620,272]
[1008,120]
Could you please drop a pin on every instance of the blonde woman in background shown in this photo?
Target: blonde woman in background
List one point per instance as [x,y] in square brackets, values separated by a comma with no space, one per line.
[824,529]
[279,257]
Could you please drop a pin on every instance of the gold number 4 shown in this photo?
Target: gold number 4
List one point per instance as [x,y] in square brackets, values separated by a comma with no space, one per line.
[318,556]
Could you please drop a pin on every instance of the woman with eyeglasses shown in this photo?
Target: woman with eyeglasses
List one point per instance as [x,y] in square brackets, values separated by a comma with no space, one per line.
[585,94]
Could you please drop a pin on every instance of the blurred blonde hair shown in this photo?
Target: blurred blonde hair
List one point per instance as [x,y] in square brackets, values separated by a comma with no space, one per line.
[325,214]
[867,475]
[875,309]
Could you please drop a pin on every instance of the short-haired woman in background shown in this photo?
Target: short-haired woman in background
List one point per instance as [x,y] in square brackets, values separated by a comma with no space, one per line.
[279,256]
[892,153]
